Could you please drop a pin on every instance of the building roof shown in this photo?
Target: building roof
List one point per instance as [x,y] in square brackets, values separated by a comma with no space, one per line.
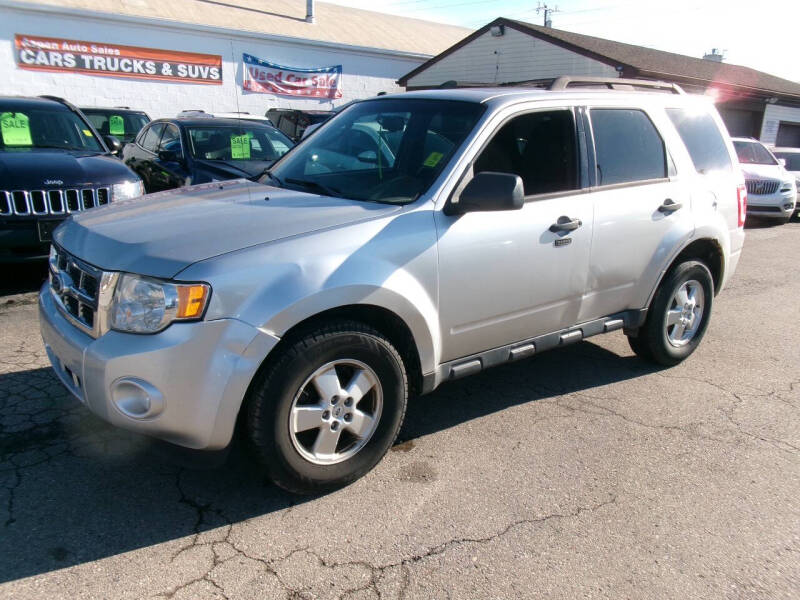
[333,23]
[639,61]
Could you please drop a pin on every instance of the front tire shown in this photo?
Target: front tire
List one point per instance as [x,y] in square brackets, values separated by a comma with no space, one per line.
[328,408]
[678,315]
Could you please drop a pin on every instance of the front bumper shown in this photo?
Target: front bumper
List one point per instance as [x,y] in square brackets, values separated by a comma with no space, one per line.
[20,238]
[780,205]
[193,376]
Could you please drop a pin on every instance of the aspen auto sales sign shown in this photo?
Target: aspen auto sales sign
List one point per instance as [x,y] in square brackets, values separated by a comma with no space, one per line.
[38,53]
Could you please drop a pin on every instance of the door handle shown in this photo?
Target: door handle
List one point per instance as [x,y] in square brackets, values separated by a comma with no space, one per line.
[669,206]
[565,224]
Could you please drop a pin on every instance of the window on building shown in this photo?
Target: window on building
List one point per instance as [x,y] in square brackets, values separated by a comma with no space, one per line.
[702,138]
[540,147]
[628,147]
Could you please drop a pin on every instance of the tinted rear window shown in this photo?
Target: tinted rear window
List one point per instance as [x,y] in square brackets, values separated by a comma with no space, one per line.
[703,139]
[628,146]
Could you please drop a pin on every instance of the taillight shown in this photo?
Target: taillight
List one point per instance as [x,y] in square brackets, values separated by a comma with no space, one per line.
[741,197]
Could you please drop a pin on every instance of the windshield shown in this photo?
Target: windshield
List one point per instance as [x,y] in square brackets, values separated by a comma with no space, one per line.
[249,141]
[379,150]
[123,125]
[33,127]
[753,153]
[792,160]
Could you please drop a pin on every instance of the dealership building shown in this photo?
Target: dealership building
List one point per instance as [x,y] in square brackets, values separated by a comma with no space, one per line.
[164,56]
[509,52]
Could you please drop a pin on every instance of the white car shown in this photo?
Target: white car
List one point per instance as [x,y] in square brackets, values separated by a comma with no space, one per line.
[791,162]
[771,190]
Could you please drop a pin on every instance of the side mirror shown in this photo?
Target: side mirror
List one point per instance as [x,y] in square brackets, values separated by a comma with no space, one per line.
[113,143]
[168,156]
[489,191]
[369,157]
[782,162]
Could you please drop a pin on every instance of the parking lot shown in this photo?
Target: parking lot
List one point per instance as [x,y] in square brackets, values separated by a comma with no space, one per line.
[582,472]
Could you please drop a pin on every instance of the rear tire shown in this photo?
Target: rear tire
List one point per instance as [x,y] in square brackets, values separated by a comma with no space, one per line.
[678,315]
[328,408]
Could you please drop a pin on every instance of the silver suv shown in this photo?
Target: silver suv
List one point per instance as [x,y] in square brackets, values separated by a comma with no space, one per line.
[467,229]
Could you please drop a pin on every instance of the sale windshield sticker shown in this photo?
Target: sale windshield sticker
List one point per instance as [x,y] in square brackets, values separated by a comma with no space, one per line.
[15,129]
[116,125]
[37,53]
[240,147]
[433,159]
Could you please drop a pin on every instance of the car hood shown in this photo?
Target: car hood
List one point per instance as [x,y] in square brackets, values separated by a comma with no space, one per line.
[233,169]
[48,169]
[161,234]
[764,172]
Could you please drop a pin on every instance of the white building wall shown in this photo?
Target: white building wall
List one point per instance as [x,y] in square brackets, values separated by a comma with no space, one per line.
[514,56]
[773,115]
[365,73]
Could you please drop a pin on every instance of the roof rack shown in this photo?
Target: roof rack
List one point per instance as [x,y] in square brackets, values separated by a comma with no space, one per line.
[613,83]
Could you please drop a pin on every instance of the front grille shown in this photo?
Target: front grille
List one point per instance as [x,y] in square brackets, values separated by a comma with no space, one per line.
[76,287]
[51,202]
[762,187]
[756,208]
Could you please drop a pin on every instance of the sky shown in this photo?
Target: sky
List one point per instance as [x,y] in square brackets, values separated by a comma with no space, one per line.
[764,35]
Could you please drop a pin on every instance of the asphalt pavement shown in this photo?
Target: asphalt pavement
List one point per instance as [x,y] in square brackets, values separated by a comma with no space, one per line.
[580,473]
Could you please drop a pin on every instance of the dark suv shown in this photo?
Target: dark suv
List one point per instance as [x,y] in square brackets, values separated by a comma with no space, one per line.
[293,122]
[172,153]
[120,121]
[52,163]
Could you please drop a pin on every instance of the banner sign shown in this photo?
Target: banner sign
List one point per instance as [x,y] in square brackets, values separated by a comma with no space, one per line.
[268,78]
[38,53]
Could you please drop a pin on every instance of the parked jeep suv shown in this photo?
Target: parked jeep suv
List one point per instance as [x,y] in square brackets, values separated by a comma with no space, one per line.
[308,306]
[52,164]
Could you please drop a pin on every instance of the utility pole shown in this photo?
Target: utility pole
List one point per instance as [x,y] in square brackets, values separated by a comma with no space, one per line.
[543,8]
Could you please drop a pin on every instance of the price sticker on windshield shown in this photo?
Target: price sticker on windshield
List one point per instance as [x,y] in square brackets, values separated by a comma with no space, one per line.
[116,125]
[15,129]
[433,159]
[240,147]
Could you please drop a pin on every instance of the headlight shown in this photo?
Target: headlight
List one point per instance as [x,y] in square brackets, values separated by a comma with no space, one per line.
[129,189]
[146,305]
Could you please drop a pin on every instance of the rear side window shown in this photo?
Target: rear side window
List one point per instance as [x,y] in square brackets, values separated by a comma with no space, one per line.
[627,145]
[151,136]
[703,139]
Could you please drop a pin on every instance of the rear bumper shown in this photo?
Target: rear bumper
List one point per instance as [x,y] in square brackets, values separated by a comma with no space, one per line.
[191,377]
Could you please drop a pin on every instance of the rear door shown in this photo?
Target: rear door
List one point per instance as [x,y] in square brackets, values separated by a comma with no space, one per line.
[642,208]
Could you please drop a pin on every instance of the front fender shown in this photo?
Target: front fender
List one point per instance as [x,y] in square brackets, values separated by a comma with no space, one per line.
[389,262]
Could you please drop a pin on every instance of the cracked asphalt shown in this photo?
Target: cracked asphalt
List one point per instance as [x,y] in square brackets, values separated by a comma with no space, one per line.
[582,472]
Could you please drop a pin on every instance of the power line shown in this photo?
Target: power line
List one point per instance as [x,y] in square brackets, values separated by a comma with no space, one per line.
[543,8]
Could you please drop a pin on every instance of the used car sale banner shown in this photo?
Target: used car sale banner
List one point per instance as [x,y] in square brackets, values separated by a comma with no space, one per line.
[268,78]
[38,53]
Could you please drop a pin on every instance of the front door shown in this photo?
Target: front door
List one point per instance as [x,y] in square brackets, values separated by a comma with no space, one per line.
[506,276]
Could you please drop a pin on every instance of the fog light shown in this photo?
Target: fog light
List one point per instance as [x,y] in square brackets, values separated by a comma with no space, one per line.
[136,398]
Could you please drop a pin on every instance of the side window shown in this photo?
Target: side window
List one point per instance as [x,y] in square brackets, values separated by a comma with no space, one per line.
[150,137]
[540,147]
[171,139]
[627,145]
[703,139]
[286,125]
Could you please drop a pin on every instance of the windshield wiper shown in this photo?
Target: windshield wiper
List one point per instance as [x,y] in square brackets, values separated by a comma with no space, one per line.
[307,183]
[272,176]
